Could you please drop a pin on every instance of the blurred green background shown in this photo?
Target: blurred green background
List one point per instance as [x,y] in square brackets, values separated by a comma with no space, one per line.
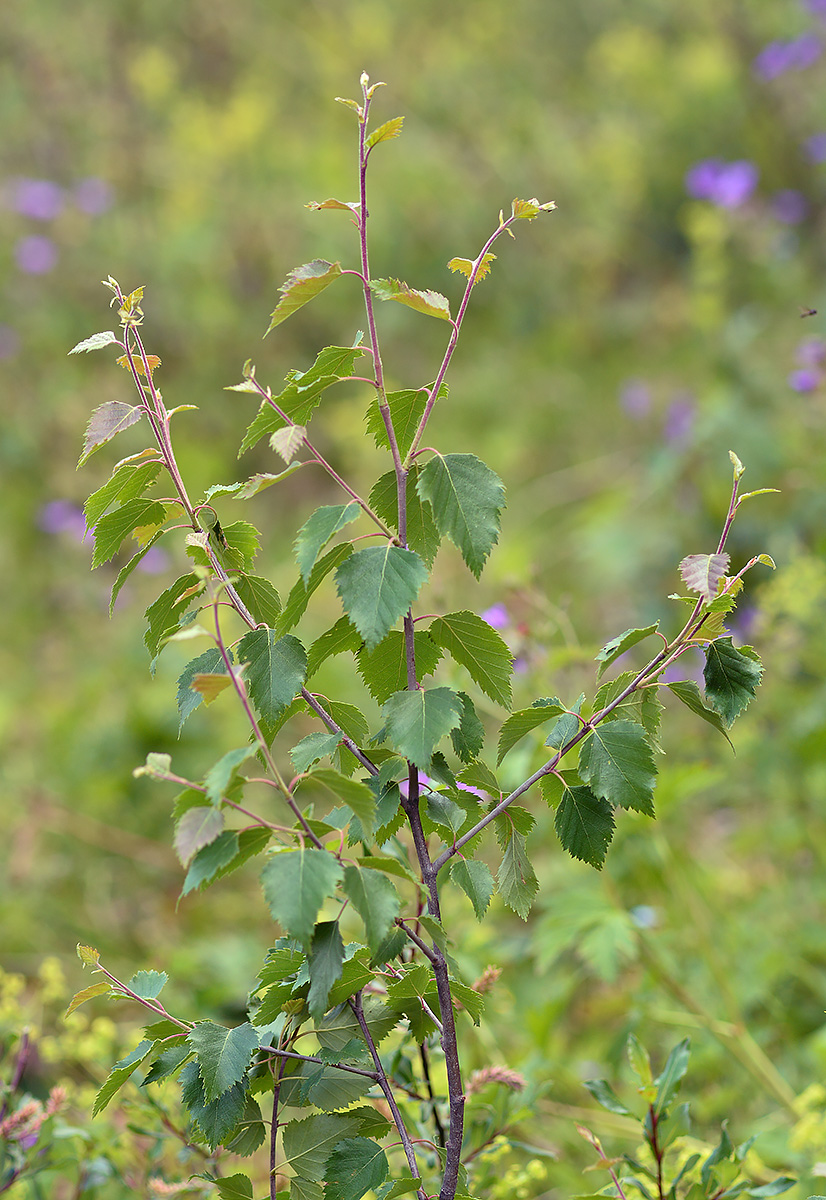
[620,347]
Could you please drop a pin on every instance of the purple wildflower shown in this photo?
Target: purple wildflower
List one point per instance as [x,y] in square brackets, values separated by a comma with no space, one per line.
[778,57]
[36,255]
[688,666]
[497,616]
[816,7]
[805,379]
[93,196]
[815,147]
[679,420]
[726,184]
[811,352]
[39,199]
[61,516]
[790,206]
[635,398]
[9,341]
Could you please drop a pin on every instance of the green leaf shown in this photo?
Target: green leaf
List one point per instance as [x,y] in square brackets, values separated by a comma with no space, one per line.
[217,1119]
[309,1143]
[703,572]
[260,597]
[639,1060]
[417,721]
[612,650]
[688,692]
[668,1082]
[390,129]
[474,878]
[479,775]
[377,586]
[339,639]
[355,1166]
[406,993]
[88,993]
[324,963]
[432,304]
[98,340]
[398,1187]
[585,825]
[208,663]
[422,534]
[324,1086]
[164,616]
[406,410]
[303,284]
[128,482]
[521,723]
[296,883]
[198,827]
[219,777]
[277,668]
[115,526]
[317,531]
[357,795]
[339,1026]
[643,705]
[234,1187]
[469,738]
[375,900]
[105,423]
[605,1095]
[223,1055]
[148,984]
[526,210]
[299,597]
[210,859]
[566,727]
[119,1074]
[311,748]
[127,570]
[384,669]
[618,763]
[516,879]
[466,498]
[475,645]
[731,677]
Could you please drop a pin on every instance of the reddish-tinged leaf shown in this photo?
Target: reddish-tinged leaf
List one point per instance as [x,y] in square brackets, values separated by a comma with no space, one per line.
[88,955]
[431,303]
[317,205]
[94,989]
[703,572]
[465,267]
[137,362]
[526,210]
[302,285]
[198,827]
[288,441]
[105,422]
[210,686]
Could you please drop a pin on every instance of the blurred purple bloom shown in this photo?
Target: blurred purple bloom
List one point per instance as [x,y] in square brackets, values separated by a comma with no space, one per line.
[789,206]
[9,341]
[815,147]
[726,184]
[39,199]
[795,55]
[520,665]
[61,516]
[688,666]
[742,622]
[816,7]
[635,398]
[28,1140]
[811,352]
[36,255]
[806,379]
[497,616]
[154,562]
[679,420]
[93,196]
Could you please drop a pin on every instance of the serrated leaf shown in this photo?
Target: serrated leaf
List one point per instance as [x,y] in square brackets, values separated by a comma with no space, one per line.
[88,993]
[300,594]
[618,764]
[208,861]
[376,901]
[152,361]
[119,1074]
[115,526]
[126,483]
[105,423]
[469,738]
[208,663]
[88,955]
[96,342]
[303,284]
[164,615]
[612,650]
[465,266]
[197,828]
[309,1143]
[688,692]
[377,586]
[340,638]
[355,1166]
[234,1187]
[702,573]
[479,775]
[422,534]
[276,669]
[340,1026]
[466,497]
[516,879]
[521,723]
[148,984]
[390,129]
[731,677]
[219,777]
[217,1119]
[223,1055]
[416,721]
[324,962]
[585,825]
[288,441]
[317,205]
[643,705]
[475,879]
[384,669]
[296,883]
[323,1086]
[475,645]
[406,409]
[432,304]
[316,532]
[526,210]
[312,748]
[355,794]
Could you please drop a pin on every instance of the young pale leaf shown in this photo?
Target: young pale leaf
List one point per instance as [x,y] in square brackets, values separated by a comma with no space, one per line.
[390,129]
[325,962]
[376,901]
[475,645]
[474,878]
[526,210]
[148,984]
[731,677]
[519,724]
[384,669]
[516,879]
[377,586]
[639,1060]
[356,1165]
[417,721]
[115,526]
[208,663]
[585,825]
[316,532]
[702,573]
[197,827]
[302,285]
[668,1082]
[406,409]
[466,498]
[465,267]
[688,692]
[296,883]
[422,534]
[105,423]
[317,205]
[618,763]
[88,993]
[277,668]
[96,342]
[223,1055]
[288,441]
[612,650]
[433,304]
